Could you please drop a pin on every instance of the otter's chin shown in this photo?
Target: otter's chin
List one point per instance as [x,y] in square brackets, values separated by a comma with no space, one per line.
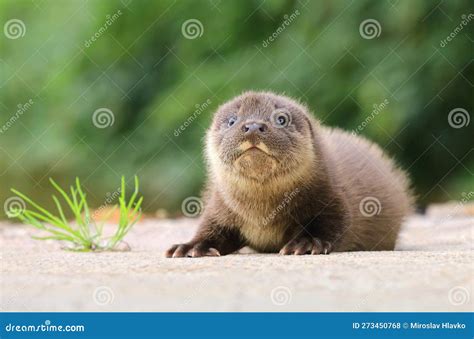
[256,164]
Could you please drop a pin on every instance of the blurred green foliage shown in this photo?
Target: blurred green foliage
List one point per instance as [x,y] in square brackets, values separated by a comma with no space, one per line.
[143,69]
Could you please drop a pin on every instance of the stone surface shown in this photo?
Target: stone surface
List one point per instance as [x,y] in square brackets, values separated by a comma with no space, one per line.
[431,270]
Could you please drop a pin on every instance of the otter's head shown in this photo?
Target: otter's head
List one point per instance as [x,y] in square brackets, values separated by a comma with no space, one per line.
[259,136]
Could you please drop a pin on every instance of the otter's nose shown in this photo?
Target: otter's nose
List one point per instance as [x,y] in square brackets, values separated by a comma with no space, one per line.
[254,127]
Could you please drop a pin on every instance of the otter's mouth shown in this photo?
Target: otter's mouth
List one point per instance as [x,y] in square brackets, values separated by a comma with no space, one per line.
[247,147]
[255,160]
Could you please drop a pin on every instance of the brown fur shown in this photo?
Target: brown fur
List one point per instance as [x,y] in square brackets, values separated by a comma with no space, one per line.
[302,188]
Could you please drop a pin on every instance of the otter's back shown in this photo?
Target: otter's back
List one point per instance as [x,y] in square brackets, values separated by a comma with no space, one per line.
[376,191]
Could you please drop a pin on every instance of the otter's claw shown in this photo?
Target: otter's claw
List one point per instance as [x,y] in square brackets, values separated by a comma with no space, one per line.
[306,246]
[191,250]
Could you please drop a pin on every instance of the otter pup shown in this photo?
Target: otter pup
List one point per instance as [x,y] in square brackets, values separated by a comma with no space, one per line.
[280,182]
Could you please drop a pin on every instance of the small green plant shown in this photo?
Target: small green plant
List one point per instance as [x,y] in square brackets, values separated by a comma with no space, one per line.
[83,234]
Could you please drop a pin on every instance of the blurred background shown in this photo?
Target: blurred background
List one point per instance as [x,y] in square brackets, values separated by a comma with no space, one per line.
[99,89]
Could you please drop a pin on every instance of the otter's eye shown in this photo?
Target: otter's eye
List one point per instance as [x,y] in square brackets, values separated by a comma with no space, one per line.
[231,121]
[281,118]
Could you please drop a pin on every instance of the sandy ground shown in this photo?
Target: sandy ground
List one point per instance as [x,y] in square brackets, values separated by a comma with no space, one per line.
[432,270]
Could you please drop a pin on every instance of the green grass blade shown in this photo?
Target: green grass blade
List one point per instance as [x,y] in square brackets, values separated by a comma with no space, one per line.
[38,207]
[84,206]
[60,210]
[59,228]
[131,223]
[134,195]
[72,205]
[127,220]
[64,195]
[31,215]
[28,219]
[79,219]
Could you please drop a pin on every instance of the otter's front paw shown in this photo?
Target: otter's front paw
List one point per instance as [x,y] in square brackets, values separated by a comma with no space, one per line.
[193,250]
[306,246]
